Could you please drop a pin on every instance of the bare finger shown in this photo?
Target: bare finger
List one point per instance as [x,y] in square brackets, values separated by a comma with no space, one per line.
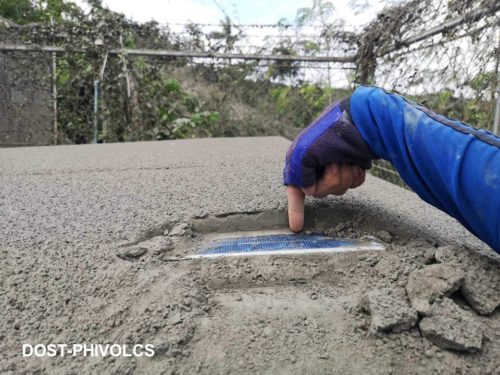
[296,200]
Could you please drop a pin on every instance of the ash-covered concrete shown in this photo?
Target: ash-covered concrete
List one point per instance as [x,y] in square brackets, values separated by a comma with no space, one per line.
[388,312]
[430,283]
[451,327]
[88,234]
[108,192]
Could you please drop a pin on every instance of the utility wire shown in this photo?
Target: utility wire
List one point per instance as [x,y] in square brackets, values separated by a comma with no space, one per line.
[221,8]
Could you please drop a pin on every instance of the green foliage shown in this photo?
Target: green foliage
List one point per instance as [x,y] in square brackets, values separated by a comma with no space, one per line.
[19,11]
[299,106]
[27,11]
[482,80]
[170,98]
[139,98]
[315,97]
[310,47]
[320,10]
[200,124]
[225,38]
[477,112]
[75,96]
[283,69]
[159,108]
[196,37]
[281,97]
[175,114]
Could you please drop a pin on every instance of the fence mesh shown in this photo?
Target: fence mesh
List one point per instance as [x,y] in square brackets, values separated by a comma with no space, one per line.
[444,55]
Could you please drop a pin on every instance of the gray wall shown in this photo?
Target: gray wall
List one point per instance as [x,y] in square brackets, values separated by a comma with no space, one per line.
[25,97]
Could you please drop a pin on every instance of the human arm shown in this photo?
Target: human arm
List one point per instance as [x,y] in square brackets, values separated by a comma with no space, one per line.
[449,164]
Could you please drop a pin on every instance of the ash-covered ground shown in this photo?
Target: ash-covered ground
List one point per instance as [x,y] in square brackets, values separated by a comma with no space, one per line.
[91,243]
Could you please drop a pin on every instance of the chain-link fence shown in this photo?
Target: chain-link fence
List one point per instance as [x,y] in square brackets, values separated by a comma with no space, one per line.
[111,79]
[444,55]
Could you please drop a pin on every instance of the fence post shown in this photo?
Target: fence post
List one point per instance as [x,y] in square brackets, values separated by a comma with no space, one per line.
[103,107]
[55,130]
[54,98]
[366,62]
[496,122]
[96,109]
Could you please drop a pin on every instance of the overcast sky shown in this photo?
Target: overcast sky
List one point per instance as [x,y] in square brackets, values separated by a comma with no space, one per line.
[240,11]
[244,12]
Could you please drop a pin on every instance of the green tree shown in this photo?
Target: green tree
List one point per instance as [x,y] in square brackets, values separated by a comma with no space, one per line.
[321,10]
[226,36]
[28,11]
[284,68]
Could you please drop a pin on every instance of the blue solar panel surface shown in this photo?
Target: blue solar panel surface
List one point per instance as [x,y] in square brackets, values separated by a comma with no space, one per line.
[273,243]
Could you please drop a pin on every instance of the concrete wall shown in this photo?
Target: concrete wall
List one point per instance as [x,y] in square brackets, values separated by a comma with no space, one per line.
[25,97]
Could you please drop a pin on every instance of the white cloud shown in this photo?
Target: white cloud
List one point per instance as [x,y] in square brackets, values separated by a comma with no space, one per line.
[166,11]
[244,11]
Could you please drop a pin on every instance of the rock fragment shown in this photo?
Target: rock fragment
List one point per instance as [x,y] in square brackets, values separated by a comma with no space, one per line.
[161,347]
[389,313]
[482,277]
[482,292]
[384,236]
[131,252]
[430,283]
[201,215]
[451,327]
[158,245]
[179,230]
[429,255]
[448,254]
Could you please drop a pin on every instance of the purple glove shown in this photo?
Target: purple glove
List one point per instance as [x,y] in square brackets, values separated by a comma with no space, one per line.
[331,139]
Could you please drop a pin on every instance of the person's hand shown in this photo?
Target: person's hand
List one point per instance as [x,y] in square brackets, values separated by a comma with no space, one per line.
[327,157]
[336,179]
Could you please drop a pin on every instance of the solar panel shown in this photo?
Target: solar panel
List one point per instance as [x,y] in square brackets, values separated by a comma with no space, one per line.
[282,244]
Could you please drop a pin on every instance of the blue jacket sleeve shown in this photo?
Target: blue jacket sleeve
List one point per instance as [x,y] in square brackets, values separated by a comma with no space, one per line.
[449,164]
